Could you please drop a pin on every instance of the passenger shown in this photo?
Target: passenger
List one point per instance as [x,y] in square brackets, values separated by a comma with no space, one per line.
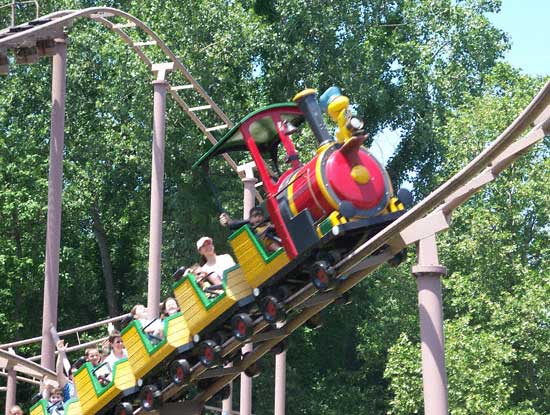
[16,410]
[262,227]
[93,356]
[66,382]
[154,328]
[55,402]
[214,265]
[118,351]
[169,307]
[105,349]
[205,281]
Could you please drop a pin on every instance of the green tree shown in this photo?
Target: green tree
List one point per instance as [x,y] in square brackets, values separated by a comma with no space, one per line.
[497,293]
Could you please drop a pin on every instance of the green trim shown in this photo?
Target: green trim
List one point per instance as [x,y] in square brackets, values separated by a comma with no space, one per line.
[150,347]
[206,302]
[236,127]
[42,402]
[100,389]
[267,257]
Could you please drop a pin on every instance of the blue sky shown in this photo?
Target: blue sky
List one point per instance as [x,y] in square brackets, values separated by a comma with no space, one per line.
[526,22]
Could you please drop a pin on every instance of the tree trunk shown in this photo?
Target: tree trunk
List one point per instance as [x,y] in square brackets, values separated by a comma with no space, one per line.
[106,266]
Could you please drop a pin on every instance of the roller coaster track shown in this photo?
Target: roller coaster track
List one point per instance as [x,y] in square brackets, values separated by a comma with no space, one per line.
[429,217]
[32,38]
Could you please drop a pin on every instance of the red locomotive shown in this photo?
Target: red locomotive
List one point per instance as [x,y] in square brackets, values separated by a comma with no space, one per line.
[328,204]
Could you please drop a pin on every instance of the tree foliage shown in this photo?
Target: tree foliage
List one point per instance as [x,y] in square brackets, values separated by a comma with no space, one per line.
[425,67]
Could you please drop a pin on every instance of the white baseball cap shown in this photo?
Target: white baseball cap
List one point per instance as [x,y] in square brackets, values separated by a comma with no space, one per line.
[202,240]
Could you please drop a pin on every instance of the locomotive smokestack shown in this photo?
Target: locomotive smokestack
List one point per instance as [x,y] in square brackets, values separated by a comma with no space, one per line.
[314,116]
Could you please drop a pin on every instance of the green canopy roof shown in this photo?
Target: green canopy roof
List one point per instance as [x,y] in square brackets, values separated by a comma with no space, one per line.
[263,131]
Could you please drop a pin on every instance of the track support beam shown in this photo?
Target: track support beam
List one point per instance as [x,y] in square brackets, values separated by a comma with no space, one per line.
[428,274]
[160,86]
[55,186]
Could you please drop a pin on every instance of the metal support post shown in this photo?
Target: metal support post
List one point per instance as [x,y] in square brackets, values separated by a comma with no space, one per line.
[160,87]
[249,201]
[227,404]
[428,274]
[12,21]
[11,389]
[280,383]
[55,185]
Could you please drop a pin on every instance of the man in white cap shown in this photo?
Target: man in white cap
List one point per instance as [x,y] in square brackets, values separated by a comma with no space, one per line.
[214,265]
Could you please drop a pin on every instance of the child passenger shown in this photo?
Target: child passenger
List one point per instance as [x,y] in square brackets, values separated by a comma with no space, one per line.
[16,410]
[55,402]
[153,328]
[205,281]
[66,382]
[169,307]
[118,351]
[92,356]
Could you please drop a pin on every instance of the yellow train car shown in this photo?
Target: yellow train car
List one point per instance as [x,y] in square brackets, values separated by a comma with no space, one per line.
[257,265]
[144,355]
[203,313]
[40,408]
[92,397]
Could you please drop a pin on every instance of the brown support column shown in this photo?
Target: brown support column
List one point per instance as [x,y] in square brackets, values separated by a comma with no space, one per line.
[280,383]
[428,274]
[11,389]
[157,196]
[249,201]
[55,185]
[227,404]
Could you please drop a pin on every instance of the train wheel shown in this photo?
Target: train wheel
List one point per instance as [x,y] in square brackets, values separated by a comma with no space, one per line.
[179,371]
[242,326]
[322,275]
[273,310]
[223,393]
[209,353]
[148,398]
[124,408]
[280,347]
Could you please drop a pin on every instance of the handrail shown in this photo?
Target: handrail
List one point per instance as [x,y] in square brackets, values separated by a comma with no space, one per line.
[66,332]
[74,348]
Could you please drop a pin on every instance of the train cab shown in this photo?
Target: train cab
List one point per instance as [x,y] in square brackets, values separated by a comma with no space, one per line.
[321,208]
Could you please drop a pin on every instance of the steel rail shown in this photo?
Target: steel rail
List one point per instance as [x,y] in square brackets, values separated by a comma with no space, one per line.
[66,332]
[20,364]
[63,19]
[535,112]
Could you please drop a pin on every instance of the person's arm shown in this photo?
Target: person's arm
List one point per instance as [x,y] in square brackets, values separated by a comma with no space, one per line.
[236,224]
[226,221]
[62,379]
